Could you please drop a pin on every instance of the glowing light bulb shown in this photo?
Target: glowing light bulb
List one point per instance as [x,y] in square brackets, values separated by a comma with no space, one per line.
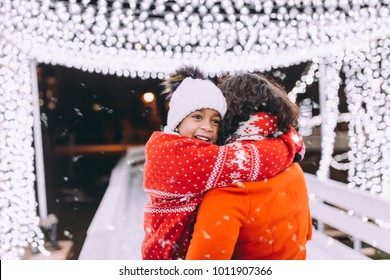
[148,97]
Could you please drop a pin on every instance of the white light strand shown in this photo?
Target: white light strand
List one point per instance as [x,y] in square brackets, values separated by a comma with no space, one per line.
[336,162]
[368,97]
[330,78]
[309,76]
[307,121]
[19,220]
[137,38]
[305,116]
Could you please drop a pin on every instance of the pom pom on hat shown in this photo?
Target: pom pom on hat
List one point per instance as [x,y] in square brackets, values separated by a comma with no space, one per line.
[192,95]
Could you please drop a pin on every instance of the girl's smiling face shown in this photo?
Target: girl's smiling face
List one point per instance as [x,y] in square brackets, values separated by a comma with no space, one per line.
[201,124]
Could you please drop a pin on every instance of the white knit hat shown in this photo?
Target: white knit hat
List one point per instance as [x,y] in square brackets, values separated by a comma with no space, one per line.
[192,95]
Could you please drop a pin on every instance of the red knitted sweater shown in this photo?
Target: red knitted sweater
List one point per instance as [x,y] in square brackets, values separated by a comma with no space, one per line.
[179,170]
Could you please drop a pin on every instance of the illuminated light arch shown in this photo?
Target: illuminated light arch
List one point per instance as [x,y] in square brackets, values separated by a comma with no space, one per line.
[152,38]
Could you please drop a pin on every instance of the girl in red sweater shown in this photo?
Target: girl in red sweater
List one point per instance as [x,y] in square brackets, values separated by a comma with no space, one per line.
[268,219]
[183,162]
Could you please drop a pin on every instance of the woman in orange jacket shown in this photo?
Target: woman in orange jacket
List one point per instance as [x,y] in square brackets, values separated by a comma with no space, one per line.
[268,219]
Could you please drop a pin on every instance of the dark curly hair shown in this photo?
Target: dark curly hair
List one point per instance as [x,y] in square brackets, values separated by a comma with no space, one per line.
[249,93]
[174,80]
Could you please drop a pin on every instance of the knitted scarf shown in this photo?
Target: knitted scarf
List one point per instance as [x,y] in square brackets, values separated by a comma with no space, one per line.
[259,126]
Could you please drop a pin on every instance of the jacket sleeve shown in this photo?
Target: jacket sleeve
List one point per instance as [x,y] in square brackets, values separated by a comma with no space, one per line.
[207,166]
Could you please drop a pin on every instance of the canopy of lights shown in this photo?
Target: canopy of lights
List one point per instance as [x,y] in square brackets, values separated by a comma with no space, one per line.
[150,39]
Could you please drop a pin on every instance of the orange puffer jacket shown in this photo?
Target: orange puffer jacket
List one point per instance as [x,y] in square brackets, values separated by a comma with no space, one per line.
[268,220]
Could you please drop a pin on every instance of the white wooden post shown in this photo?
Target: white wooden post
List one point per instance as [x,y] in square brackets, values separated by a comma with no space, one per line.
[38,145]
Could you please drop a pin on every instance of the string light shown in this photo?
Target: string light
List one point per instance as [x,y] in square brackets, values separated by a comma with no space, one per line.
[330,78]
[367,92]
[309,76]
[157,38]
[152,38]
[19,221]
[148,97]
[306,120]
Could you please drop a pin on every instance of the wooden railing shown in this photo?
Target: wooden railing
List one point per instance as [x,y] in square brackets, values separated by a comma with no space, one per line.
[359,215]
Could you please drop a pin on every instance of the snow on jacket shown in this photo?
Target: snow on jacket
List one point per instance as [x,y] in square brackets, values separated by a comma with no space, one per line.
[265,220]
[179,170]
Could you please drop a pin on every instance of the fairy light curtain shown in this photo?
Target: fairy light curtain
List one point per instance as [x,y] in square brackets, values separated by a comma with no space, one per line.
[19,221]
[151,38]
[368,95]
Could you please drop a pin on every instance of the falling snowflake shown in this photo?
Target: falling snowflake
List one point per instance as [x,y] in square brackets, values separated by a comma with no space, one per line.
[64,133]
[164,243]
[148,230]
[78,112]
[239,184]
[294,237]
[205,235]
[44,119]
[68,234]
[185,198]
[76,158]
